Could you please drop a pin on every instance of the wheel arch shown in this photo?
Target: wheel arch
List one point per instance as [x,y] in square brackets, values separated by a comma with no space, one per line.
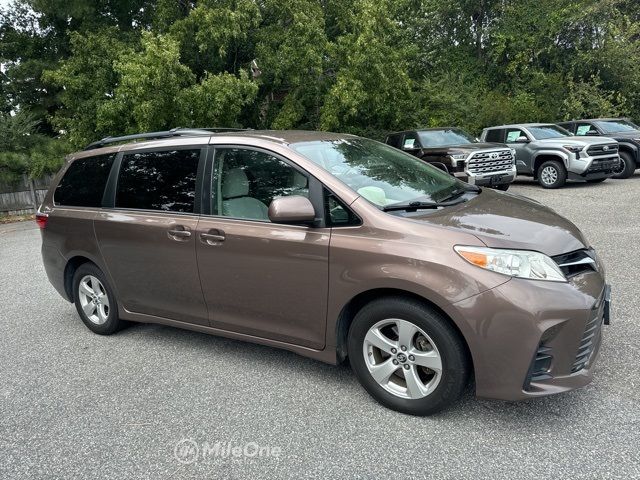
[69,271]
[353,306]
[631,150]
[544,156]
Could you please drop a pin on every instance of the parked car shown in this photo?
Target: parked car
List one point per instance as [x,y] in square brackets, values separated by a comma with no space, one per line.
[331,246]
[625,132]
[462,155]
[552,155]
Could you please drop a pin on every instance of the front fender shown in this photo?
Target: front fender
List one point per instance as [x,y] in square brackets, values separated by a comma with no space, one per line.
[555,153]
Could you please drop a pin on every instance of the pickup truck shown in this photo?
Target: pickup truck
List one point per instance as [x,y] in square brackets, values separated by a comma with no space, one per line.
[625,132]
[552,155]
[462,155]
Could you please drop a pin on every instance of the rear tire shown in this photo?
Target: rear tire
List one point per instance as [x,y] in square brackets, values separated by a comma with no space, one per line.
[552,174]
[627,166]
[95,301]
[428,375]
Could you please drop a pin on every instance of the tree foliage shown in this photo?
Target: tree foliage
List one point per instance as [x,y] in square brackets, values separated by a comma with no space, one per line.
[77,71]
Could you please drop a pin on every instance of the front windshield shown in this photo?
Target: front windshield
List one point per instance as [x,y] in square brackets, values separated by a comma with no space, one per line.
[548,131]
[445,137]
[614,126]
[380,173]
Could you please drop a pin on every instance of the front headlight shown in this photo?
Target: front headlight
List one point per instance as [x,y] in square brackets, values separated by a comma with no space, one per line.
[516,263]
[572,148]
[456,157]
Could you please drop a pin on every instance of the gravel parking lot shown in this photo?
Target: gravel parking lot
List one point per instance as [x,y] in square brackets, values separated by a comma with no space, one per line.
[77,405]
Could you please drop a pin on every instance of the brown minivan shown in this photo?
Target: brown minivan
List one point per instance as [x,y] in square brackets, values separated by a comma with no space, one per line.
[334,247]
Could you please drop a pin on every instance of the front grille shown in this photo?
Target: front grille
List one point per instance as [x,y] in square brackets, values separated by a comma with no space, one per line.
[587,344]
[576,262]
[603,165]
[488,161]
[604,149]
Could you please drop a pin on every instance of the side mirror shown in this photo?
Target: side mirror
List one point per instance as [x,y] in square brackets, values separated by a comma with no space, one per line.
[293,209]
[522,139]
[591,133]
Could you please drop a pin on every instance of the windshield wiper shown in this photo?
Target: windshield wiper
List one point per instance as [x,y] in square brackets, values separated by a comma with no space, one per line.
[462,191]
[413,206]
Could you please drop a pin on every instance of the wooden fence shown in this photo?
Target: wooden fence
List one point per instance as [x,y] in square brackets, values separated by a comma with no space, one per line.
[23,197]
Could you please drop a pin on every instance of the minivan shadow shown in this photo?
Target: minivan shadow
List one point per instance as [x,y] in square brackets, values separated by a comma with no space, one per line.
[341,378]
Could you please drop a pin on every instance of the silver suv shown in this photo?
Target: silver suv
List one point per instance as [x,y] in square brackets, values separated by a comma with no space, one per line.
[552,155]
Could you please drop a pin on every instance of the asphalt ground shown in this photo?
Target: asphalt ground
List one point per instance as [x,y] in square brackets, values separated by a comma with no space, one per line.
[142,403]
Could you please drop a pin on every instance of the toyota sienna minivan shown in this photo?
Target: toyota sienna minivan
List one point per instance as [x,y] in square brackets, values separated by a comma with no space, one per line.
[334,247]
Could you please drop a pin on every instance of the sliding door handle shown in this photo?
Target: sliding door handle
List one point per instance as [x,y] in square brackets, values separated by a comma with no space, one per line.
[179,233]
[212,238]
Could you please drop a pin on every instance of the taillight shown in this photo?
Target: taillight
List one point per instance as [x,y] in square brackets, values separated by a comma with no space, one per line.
[41,220]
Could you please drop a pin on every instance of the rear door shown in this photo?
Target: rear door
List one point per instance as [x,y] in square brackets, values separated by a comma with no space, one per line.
[147,237]
[260,278]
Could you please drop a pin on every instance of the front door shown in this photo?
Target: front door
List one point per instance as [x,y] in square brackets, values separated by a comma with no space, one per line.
[259,278]
[148,239]
[524,162]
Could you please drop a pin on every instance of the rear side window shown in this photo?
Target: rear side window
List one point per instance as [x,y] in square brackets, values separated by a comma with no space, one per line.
[494,135]
[394,140]
[83,183]
[158,180]
[568,126]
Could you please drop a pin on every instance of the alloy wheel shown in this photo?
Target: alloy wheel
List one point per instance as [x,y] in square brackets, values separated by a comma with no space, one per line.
[549,175]
[93,299]
[620,167]
[402,358]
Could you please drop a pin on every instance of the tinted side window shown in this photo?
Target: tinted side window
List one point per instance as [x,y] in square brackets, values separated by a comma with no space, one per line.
[494,135]
[158,180]
[246,181]
[394,140]
[568,126]
[83,183]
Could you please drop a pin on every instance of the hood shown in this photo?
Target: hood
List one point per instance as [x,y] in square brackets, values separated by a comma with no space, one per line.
[626,135]
[463,148]
[503,220]
[576,140]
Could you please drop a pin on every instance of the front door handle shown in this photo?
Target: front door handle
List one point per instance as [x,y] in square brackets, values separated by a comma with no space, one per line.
[212,237]
[179,233]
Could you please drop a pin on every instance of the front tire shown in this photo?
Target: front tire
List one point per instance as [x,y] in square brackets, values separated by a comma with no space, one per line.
[504,187]
[407,356]
[95,300]
[626,168]
[552,174]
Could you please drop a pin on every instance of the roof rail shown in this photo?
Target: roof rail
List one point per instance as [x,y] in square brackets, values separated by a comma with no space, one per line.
[174,132]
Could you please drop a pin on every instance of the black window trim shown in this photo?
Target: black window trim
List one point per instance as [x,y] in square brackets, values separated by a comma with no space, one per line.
[315,187]
[109,197]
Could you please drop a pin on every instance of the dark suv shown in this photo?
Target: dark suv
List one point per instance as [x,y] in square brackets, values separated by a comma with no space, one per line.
[625,132]
[462,155]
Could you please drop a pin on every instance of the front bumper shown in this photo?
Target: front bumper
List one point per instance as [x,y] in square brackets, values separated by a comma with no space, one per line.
[514,324]
[488,179]
[584,167]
